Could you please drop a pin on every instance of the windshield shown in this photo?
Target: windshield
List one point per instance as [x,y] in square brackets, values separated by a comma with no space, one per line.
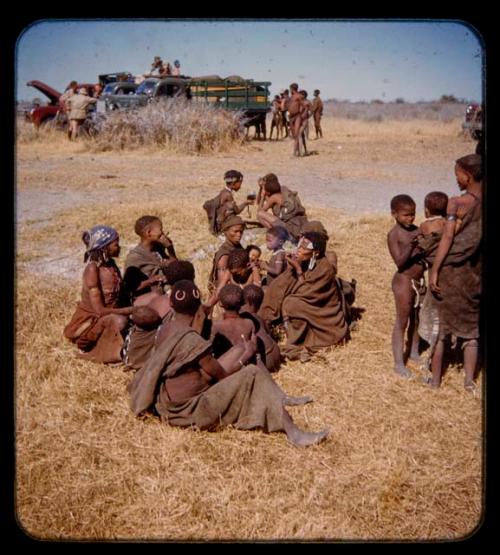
[146,87]
[108,89]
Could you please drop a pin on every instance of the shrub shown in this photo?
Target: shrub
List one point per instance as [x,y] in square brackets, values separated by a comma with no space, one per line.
[185,127]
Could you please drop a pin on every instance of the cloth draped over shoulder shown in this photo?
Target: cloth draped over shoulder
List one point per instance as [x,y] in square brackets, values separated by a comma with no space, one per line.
[178,349]
[291,212]
[141,264]
[312,305]
[460,279]
[225,249]
[85,329]
[139,344]
[247,399]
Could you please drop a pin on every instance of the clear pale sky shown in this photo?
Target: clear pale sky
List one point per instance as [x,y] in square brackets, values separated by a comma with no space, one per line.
[346,59]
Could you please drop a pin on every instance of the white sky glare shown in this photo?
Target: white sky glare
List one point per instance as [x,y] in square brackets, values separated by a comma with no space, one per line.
[349,60]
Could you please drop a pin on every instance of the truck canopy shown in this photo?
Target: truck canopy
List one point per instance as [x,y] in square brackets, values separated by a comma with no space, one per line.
[232,92]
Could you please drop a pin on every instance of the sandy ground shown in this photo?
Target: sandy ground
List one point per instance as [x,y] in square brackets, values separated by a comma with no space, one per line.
[404,462]
[343,172]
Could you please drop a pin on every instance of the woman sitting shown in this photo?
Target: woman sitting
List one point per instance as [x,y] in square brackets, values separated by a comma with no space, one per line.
[186,386]
[306,298]
[101,315]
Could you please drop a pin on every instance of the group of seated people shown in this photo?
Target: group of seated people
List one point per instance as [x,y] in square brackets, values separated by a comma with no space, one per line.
[195,360]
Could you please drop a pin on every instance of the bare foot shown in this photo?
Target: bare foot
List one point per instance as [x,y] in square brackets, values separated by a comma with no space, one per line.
[470,386]
[304,439]
[403,371]
[296,401]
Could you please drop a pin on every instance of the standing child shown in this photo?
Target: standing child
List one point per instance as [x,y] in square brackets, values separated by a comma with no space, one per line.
[401,241]
[145,263]
[457,267]
[275,238]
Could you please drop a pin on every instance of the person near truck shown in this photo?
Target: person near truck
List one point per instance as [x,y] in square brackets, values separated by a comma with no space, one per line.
[78,105]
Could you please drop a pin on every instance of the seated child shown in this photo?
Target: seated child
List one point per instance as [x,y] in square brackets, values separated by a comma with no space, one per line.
[254,253]
[141,338]
[275,237]
[233,230]
[145,263]
[176,271]
[223,206]
[266,345]
[240,271]
[401,240]
[232,328]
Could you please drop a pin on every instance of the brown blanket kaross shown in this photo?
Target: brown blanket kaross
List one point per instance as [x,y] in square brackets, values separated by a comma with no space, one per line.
[460,280]
[312,305]
[247,399]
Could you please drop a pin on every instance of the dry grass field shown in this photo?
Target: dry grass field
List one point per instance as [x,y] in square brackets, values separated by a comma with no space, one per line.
[403,462]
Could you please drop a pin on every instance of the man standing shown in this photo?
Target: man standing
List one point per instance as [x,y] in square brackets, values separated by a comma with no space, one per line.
[78,105]
[317,112]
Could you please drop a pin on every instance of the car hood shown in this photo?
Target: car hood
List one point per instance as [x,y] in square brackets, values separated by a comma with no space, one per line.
[49,92]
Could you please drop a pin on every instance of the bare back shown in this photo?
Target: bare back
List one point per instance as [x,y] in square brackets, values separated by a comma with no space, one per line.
[233,328]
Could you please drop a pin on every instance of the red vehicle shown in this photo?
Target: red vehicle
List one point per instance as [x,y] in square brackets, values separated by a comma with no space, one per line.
[41,115]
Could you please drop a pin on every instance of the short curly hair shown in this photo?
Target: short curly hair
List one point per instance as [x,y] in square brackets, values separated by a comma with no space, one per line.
[177,270]
[231,297]
[253,295]
[145,317]
[143,223]
[436,203]
[237,258]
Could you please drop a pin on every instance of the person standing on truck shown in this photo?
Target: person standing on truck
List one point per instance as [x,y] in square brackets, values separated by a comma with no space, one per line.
[156,65]
[176,70]
[78,106]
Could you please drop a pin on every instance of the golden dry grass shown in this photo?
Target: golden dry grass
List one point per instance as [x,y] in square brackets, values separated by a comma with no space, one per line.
[402,462]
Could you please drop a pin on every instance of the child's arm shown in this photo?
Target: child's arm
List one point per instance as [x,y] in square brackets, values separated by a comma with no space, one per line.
[231,361]
[444,244]
[401,253]
[275,268]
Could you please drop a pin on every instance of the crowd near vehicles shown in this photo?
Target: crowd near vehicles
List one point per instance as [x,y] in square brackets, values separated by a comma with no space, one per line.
[120,92]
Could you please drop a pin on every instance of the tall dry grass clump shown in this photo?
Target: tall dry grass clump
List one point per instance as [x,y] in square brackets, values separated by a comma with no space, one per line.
[184,127]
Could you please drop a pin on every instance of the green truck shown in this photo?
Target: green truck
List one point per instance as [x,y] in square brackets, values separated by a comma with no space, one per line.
[232,93]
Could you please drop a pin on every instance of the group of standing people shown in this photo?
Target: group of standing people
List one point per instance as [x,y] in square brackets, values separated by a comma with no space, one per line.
[449,245]
[291,111]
